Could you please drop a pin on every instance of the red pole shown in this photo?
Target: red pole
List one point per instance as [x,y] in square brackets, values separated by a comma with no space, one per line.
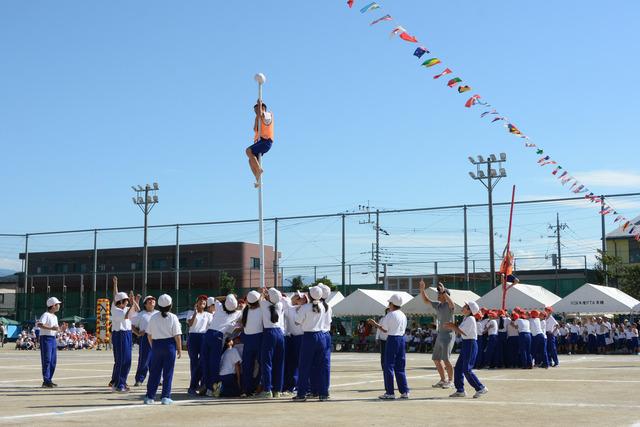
[504,278]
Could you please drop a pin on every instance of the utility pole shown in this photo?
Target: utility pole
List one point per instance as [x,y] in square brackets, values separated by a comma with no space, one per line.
[145,201]
[375,250]
[492,177]
[556,233]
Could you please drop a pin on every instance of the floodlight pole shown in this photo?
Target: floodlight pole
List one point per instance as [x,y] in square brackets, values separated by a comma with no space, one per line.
[145,206]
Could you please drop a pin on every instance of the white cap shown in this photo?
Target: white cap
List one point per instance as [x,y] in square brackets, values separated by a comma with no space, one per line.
[473,306]
[274,295]
[315,292]
[326,291]
[253,297]
[120,296]
[164,300]
[210,301]
[396,300]
[53,301]
[231,303]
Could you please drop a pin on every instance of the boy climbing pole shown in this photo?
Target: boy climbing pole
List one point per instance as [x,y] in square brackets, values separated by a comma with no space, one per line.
[263,128]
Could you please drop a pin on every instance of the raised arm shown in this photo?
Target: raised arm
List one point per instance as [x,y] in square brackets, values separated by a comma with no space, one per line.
[114,280]
[442,291]
[376,325]
[423,292]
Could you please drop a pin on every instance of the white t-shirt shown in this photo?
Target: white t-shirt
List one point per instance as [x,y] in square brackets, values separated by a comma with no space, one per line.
[382,336]
[535,326]
[266,314]
[118,321]
[523,325]
[50,320]
[492,327]
[470,328]
[395,323]
[512,331]
[291,327]
[254,322]
[225,322]
[551,324]
[200,323]
[164,327]
[505,322]
[481,324]
[574,329]
[230,357]
[591,329]
[326,320]
[309,320]
[141,321]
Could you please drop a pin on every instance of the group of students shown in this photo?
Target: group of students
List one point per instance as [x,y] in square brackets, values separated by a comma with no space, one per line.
[597,335]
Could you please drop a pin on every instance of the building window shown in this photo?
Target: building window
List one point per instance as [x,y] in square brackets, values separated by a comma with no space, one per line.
[255,263]
[159,264]
[634,251]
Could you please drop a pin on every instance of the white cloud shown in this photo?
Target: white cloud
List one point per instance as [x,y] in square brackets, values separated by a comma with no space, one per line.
[609,178]
[10,264]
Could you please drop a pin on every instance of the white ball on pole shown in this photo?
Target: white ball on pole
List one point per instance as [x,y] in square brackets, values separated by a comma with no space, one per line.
[260,78]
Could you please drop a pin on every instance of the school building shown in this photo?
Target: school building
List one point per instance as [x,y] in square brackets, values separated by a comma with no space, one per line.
[624,246]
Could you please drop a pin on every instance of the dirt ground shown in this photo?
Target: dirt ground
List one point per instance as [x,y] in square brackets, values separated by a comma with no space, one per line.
[584,390]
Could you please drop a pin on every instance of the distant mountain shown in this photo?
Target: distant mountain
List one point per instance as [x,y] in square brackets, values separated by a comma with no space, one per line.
[4,272]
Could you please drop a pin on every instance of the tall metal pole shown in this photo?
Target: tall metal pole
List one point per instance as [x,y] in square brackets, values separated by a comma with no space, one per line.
[604,241]
[260,215]
[492,267]
[95,271]
[275,254]
[26,273]
[466,250]
[177,266]
[558,241]
[145,253]
[344,256]
[377,245]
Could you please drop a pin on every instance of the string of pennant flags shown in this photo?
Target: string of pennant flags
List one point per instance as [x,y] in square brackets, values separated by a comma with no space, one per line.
[492,115]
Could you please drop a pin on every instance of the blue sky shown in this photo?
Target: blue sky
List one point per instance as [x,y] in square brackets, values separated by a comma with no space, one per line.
[96,96]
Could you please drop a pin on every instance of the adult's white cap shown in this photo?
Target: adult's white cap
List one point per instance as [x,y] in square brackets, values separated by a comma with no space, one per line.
[473,306]
[164,300]
[396,300]
[53,301]
[315,292]
[274,295]
[253,297]
[210,301]
[121,296]
[231,303]
[326,291]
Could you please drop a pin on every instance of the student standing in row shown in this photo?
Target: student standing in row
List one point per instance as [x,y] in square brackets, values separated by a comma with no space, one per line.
[197,322]
[48,349]
[512,357]
[491,329]
[394,325]
[139,326]
[164,333]
[252,341]
[272,354]
[310,317]
[524,340]
[292,342]
[121,315]
[469,332]
[551,329]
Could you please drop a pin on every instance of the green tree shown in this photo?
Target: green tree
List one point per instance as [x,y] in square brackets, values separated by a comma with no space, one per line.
[325,281]
[296,283]
[630,280]
[227,283]
[607,265]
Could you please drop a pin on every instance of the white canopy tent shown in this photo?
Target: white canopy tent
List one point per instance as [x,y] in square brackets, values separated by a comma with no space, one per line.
[636,309]
[527,297]
[365,302]
[590,298]
[417,306]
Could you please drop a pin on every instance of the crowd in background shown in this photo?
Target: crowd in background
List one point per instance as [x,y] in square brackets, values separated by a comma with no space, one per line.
[69,337]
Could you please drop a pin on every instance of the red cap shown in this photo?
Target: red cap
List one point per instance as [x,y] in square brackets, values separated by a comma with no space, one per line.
[534,314]
[515,316]
[478,316]
[517,309]
[484,310]
[204,297]
[493,314]
[502,313]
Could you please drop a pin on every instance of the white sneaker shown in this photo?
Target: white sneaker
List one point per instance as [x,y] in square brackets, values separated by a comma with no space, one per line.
[447,384]
[209,393]
[438,384]
[404,395]
[458,394]
[387,397]
[480,392]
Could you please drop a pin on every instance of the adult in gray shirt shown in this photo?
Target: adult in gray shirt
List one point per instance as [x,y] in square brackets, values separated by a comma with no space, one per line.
[446,338]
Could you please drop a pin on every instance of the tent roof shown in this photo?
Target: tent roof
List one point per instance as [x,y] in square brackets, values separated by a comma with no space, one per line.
[636,309]
[417,306]
[618,231]
[7,322]
[590,298]
[365,302]
[525,296]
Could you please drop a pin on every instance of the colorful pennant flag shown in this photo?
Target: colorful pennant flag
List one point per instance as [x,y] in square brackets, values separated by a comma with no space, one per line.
[431,62]
[463,89]
[556,170]
[408,38]
[444,73]
[350,3]
[549,162]
[618,218]
[472,101]
[384,18]
[369,7]
[454,81]
[626,224]
[420,51]
[397,30]
[497,118]
[529,145]
[514,130]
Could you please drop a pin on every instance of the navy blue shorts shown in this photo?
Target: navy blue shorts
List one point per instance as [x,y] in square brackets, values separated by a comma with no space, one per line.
[511,278]
[261,147]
